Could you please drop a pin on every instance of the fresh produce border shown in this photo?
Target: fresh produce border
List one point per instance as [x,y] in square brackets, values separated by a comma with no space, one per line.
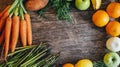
[17,22]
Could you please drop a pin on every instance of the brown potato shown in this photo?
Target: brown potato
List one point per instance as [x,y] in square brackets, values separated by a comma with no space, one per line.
[34,5]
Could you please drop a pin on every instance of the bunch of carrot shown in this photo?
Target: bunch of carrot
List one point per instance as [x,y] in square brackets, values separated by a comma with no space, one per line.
[14,21]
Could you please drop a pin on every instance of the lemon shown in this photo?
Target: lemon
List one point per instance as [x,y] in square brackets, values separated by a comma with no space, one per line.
[84,63]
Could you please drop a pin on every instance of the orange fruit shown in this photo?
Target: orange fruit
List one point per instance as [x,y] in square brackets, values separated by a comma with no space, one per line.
[100,18]
[113,28]
[113,9]
[68,65]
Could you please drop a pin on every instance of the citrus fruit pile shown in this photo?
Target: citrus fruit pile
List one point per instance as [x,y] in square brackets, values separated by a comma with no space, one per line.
[101,18]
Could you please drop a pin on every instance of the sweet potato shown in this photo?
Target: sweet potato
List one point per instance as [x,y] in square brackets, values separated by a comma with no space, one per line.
[34,5]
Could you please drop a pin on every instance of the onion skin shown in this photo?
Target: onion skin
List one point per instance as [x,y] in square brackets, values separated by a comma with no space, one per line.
[35,5]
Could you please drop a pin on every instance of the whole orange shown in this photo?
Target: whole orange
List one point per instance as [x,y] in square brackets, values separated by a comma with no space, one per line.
[113,9]
[113,28]
[100,18]
[68,65]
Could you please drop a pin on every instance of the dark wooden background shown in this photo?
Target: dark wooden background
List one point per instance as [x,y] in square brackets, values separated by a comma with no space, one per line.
[77,40]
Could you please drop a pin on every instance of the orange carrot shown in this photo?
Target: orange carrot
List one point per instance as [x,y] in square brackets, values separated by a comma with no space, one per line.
[5,10]
[2,37]
[7,36]
[23,32]
[29,29]
[15,32]
[3,19]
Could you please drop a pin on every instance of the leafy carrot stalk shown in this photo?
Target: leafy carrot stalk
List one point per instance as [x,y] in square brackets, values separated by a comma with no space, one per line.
[29,28]
[3,19]
[6,9]
[15,3]
[2,37]
[23,32]
[7,36]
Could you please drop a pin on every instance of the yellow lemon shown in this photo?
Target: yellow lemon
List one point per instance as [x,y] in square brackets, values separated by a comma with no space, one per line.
[84,63]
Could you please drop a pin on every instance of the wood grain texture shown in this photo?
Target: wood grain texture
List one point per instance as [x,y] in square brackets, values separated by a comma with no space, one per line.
[76,40]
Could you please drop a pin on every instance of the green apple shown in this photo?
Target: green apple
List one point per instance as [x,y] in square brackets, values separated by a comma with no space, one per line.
[112,59]
[82,4]
[113,44]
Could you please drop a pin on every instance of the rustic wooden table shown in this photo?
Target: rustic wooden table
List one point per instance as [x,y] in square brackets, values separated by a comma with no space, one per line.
[77,40]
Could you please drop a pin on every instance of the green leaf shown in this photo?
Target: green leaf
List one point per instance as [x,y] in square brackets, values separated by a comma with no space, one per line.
[61,8]
[99,64]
